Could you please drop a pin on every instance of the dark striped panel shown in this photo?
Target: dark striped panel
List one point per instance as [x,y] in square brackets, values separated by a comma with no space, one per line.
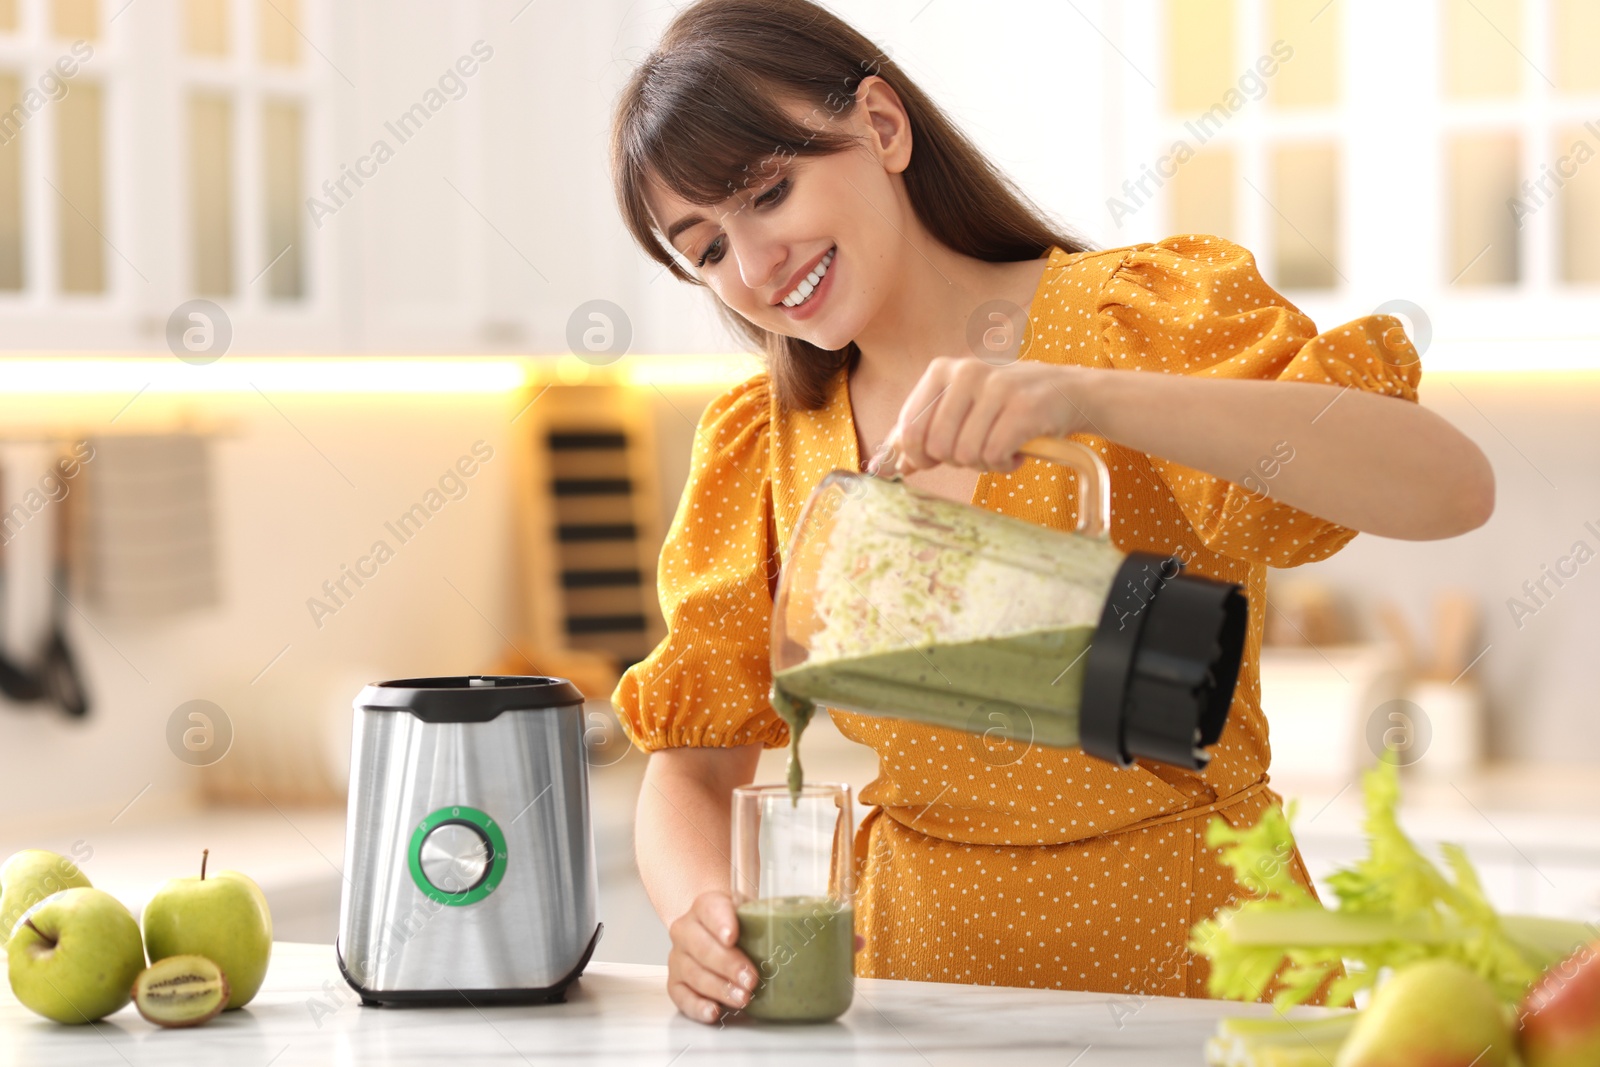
[592,486]
[600,531]
[605,624]
[601,579]
[572,441]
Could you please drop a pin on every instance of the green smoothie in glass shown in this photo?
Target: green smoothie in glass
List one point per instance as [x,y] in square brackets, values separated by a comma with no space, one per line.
[793,871]
[803,949]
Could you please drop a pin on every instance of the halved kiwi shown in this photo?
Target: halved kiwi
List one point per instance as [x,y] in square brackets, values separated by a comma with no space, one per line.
[180,991]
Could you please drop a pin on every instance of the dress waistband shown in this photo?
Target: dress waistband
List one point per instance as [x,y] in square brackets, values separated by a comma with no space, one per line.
[1250,791]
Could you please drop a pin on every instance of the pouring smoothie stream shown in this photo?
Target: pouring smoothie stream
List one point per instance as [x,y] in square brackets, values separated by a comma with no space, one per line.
[897,602]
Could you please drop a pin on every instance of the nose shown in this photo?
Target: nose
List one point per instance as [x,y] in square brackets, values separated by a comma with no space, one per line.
[759,261]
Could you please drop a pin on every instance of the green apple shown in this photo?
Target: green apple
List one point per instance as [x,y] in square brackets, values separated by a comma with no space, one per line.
[1432,1013]
[223,918]
[27,878]
[74,955]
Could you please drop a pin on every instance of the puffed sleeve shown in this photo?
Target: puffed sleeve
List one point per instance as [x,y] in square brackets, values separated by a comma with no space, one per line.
[1196,304]
[706,684]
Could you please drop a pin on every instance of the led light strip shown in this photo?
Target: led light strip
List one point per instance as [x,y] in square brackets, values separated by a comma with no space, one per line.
[268,374]
[68,375]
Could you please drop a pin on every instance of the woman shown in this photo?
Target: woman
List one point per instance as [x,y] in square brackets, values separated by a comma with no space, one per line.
[771,153]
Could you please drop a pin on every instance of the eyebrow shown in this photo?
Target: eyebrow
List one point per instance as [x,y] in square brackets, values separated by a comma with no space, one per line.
[685,223]
[691,221]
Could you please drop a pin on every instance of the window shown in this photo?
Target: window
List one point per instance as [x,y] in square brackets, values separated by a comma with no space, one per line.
[1575,32]
[53,218]
[1251,89]
[10,180]
[1294,145]
[75,19]
[234,75]
[283,136]
[1203,192]
[1305,229]
[80,168]
[246,122]
[211,183]
[1520,91]
[1312,77]
[206,27]
[1200,47]
[1579,225]
[1482,174]
[1483,49]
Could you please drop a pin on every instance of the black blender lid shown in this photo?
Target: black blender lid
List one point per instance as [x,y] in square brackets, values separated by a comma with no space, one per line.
[1160,674]
[468,698]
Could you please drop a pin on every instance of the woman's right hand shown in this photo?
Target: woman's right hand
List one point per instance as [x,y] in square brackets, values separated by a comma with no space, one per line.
[706,971]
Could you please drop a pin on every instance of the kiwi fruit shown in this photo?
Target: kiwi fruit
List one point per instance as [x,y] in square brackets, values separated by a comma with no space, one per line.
[180,991]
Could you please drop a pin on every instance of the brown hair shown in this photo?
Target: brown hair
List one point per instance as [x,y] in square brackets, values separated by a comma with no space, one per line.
[703,109]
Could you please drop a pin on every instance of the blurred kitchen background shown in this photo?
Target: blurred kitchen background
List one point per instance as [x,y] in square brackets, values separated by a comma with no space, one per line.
[274,274]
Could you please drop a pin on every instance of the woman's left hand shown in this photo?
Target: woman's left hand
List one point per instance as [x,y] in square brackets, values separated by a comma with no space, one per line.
[970,413]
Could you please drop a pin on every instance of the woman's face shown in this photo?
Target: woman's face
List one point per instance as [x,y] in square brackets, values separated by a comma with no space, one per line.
[836,220]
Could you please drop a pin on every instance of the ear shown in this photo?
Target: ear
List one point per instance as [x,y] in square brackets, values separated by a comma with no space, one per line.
[879,109]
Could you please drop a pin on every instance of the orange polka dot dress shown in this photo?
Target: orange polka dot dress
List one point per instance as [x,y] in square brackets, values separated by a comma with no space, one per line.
[1057,869]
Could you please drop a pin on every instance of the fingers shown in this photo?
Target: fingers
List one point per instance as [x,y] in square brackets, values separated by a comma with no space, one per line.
[918,413]
[699,992]
[886,460]
[946,421]
[973,414]
[726,961]
[715,911]
[961,401]
[706,971]
[691,1004]
[969,446]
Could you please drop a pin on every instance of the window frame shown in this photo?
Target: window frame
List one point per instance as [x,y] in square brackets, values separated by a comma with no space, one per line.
[146,181]
[1393,215]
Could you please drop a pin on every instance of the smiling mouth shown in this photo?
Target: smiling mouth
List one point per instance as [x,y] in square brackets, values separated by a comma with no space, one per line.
[801,293]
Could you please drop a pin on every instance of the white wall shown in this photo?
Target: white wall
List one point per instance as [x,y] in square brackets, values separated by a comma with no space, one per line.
[1541,677]
[286,521]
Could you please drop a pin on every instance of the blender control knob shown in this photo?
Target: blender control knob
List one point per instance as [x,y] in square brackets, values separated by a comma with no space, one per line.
[455,857]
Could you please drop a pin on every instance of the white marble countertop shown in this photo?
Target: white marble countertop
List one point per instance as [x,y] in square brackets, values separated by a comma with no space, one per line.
[619,1014]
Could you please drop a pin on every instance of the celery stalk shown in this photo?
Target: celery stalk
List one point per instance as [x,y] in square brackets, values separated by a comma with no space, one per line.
[1393,908]
[1279,1041]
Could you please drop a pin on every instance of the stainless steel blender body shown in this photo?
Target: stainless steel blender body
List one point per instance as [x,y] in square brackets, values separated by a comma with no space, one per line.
[469,857]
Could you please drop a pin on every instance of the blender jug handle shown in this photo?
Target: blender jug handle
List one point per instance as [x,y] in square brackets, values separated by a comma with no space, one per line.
[1094,481]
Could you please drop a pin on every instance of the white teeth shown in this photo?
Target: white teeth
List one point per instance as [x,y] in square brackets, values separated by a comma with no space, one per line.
[808,285]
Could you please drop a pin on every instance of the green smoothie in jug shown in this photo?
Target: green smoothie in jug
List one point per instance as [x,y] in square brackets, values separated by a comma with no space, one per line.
[803,949]
[1022,686]
[921,608]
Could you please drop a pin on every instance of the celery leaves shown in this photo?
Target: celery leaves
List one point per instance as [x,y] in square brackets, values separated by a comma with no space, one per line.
[1394,907]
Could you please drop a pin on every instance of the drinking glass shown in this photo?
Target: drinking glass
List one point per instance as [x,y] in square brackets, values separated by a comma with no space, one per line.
[793,886]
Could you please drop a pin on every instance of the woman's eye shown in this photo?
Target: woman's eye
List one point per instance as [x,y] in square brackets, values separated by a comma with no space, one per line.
[707,254]
[713,252]
[776,193]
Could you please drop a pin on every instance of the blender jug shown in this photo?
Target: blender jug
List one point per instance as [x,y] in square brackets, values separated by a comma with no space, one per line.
[893,601]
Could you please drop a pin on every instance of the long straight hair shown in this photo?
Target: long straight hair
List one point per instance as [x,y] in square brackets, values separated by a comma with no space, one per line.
[703,115]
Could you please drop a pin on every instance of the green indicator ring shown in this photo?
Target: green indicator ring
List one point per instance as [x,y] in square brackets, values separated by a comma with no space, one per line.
[497,859]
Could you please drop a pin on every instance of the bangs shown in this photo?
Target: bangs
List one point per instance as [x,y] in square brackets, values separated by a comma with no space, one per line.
[708,135]
[739,89]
